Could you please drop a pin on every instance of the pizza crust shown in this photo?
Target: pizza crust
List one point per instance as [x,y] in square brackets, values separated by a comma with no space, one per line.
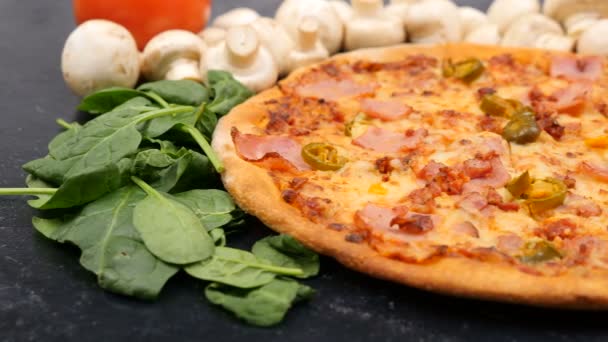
[255,192]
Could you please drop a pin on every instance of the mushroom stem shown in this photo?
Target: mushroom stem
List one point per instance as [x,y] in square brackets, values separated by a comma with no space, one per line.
[307,33]
[184,69]
[242,44]
[367,7]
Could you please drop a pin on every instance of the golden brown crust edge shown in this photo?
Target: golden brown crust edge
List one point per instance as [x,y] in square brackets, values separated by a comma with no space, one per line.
[255,192]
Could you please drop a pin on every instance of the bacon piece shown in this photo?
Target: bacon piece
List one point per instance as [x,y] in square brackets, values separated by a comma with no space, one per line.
[443,178]
[552,127]
[383,140]
[490,124]
[481,92]
[563,228]
[580,249]
[383,165]
[374,217]
[581,206]
[333,90]
[477,168]
[594,170]
[466,228]
[257,148]
[385,110]
[589,67]
[509,243]
[423,200]
[413,224]
[497,178]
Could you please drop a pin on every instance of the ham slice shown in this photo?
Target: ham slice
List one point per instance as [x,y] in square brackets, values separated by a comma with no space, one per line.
[258,148]
[573,99]
[496,178]
[577,68]
[333,90]
[386,110]
[383,140]
[594,170]
[395,220]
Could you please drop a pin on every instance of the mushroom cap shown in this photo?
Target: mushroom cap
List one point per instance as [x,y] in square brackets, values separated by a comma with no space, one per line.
[99,54]
[309,50]
[236,17]
[578,23]
[486,35]
[560,10]
[291,12]
[594,41]
[471,19]
[242,55]
[167,50]
[552,41]
[525,31]
[212,35]
[274,37]
[342,9]
[504,12]
[371,26]
[434,21]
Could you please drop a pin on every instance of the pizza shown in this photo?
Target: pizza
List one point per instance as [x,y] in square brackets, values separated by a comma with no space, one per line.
[462,169]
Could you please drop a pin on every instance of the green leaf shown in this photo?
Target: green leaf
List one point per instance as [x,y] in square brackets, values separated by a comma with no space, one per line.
[263,306]
[237,268]
[285,251]
[199,174]
[169,229]
[227,92]
[33,182]
[206,123]
[159,169]
[183,92]
[85,186]
[111,246]
[107,99]
[219,236]
[157,127]
[213,207]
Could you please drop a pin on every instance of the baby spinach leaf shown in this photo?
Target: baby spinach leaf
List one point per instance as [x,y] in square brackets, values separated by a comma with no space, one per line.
[227,92]
[161,170]
[183,92]
[237,268]
[107,99]
[169,229]
[285,251]
[219,236]
[111,246]
[33,182]
[263,306]
[213,207]
[86,186]
[199,174]
[206,123]
[157,127]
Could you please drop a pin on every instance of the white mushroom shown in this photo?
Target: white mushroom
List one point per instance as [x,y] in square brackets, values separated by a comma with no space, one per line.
[504,12]
[594,40]
[539,31]
[399,8]
[291,12]
[173,55]
[99,54]
[212,35]
[431,22]
[309,49]
[370,26]
[487,35]
[471,19]
[236,17]
[576,15]
[274,37]
[242,55]
[342,9]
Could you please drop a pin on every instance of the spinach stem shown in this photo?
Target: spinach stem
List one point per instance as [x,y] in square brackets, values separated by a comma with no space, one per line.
[202,142]
[199,111]
[144,108]
[163,112]
[154,96]
[144,186]
[27,191]
[64,123]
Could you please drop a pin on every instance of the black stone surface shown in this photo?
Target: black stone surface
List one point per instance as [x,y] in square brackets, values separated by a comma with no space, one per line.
[45,295]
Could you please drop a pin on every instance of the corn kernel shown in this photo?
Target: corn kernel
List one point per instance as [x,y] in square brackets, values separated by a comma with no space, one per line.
[377,189]
[599,142]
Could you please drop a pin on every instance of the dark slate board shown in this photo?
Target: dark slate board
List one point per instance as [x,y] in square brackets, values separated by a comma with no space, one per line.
[46,296]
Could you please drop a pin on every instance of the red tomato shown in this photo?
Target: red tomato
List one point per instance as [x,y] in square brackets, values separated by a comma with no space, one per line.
[146,18]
